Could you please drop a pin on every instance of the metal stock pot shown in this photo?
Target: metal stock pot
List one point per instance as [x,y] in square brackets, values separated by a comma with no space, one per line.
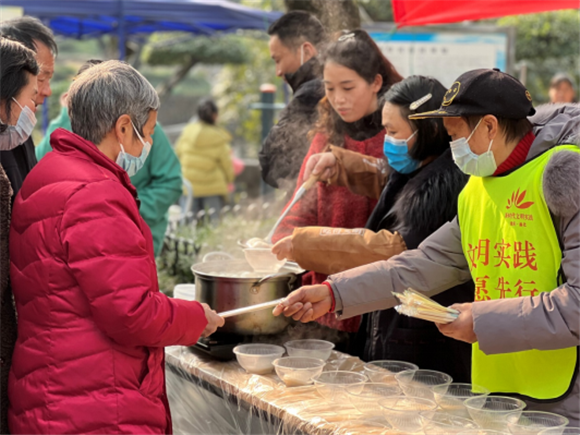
[218,284]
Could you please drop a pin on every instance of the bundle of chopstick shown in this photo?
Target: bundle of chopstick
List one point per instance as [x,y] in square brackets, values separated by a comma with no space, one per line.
[415,304]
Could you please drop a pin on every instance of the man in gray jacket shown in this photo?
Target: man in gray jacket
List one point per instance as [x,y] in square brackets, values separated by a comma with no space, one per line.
[517,235]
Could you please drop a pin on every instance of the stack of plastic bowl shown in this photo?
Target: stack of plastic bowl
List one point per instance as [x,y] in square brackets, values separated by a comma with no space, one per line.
[451,398]
[184,291]
[420,383]
[298,371]
[366,400]
[533,422]
[561,431]
[258,358]
[490,412]
[385,370]
[332,385]
[310,348]
[406,414]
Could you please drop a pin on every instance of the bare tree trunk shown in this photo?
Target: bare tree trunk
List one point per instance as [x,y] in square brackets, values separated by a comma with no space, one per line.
[165,87]
[335,15]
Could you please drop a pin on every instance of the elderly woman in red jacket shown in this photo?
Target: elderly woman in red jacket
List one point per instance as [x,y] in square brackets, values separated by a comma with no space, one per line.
[92,323]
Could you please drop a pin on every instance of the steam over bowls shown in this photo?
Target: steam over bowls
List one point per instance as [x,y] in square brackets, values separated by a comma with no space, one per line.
[298,371]
[309,348]
[333,385]
[258,358]
[263,260]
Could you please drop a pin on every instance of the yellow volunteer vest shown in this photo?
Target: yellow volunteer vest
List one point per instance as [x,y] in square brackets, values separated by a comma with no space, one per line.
[509,240]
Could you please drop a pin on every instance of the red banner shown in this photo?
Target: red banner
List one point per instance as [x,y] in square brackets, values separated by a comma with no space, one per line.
[423,12]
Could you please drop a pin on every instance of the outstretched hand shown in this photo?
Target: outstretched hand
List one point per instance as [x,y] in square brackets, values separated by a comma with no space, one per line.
[461,328]
[306,304]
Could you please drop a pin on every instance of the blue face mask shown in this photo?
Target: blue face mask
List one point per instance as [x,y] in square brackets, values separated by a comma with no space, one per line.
[132,164]
[397,153]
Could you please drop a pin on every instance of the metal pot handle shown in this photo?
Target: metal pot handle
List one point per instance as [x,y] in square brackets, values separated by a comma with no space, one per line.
[217,256]
[256,287]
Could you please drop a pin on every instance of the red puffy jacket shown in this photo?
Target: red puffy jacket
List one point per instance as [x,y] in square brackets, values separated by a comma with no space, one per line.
[331,206]
[92,323]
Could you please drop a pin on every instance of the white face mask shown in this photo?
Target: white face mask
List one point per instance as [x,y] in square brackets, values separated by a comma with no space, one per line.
[302,55]
[16,135]
[482,165]
[132,164]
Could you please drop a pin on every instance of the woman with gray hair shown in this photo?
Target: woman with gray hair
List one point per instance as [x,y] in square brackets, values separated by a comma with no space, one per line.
[92,322]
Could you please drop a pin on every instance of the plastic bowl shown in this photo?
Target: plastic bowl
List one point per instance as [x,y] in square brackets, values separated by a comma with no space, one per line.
[451,398]
[385,370]
[258,358]
[561,431]
[533,422]
[309,348]
[490,412]
[420,383]
[443,424]
[332,385]
[263,260]
[407,413]
[366,400]
[298,371]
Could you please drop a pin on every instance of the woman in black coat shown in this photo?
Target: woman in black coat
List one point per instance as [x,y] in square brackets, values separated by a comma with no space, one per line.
[416,201]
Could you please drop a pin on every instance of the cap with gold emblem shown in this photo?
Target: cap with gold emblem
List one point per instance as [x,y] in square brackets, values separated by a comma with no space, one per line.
[484,92]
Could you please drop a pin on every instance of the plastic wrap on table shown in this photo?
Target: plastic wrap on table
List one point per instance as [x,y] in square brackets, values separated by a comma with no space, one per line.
[214,397]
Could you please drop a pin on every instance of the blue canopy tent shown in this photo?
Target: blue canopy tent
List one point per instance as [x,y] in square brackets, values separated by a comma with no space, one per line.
[94,18]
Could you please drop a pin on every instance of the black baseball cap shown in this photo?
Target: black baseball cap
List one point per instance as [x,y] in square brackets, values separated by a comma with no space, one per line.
[484,92]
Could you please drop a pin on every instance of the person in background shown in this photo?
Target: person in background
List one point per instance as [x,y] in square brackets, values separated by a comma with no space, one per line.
[158,183]
[417,191]
[18,71]
[82,255]
[517,235]
[356,75]
[562,89]
[31,33]
[205,155]
[295,40]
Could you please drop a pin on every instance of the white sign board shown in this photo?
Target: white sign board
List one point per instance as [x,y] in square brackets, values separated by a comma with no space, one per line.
[443,55]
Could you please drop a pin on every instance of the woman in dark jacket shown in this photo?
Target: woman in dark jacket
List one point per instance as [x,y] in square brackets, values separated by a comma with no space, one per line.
[420,186]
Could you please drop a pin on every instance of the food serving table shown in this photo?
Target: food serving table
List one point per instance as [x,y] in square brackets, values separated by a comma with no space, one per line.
[215,397]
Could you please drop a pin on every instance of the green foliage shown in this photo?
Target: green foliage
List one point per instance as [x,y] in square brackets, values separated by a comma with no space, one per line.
[181,48]
[549,43]
[238,86]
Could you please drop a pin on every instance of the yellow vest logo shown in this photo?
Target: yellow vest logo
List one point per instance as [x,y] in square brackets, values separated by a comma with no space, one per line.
[517,200]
